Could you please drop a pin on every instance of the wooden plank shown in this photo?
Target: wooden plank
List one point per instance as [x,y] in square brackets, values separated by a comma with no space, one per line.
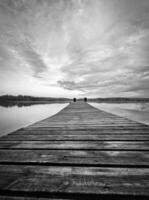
[119,145]
[84,180]
[81,132]
[74,124]
[76,157]
[79,127]
[77,137]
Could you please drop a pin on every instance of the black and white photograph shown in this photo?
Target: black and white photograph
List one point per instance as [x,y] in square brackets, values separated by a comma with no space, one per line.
[74,99]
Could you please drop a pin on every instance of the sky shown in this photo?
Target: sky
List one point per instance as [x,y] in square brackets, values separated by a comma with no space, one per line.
[74,48]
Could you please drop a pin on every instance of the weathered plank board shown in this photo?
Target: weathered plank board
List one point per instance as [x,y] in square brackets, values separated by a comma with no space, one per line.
[79,127]
[71,157]
[82,131]
[100,145]
[94,180]
[80,151]
[77,137]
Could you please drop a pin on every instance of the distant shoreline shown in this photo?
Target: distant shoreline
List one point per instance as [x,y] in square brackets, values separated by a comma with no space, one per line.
[28,103]
[20,100]
[120,100]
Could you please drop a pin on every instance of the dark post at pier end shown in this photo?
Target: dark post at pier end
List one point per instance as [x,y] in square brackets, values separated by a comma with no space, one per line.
[85,99]
[74,99]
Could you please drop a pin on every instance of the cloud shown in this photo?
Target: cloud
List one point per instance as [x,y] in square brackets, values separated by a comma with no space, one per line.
[70,85]
[97,47]
[34,59]
[117,60]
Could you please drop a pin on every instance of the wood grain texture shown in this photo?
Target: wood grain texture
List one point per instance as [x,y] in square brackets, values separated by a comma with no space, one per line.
[84,180]
[100,145]
[76,137]
[79,151]
[76,157]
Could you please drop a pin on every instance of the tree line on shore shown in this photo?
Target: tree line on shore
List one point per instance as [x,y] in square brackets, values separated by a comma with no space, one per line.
[119,100]
[29,98]
[25,98]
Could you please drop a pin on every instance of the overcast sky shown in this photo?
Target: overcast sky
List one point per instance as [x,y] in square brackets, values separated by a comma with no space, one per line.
[94,48]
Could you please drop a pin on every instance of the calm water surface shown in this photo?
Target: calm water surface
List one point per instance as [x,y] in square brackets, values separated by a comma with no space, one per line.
[135,111]
[13,118]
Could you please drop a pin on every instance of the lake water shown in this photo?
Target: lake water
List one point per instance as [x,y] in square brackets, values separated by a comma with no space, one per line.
[135,111]
[13,118]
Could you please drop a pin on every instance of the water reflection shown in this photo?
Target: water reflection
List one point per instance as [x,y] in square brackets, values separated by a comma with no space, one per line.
[20,115]
[26,103]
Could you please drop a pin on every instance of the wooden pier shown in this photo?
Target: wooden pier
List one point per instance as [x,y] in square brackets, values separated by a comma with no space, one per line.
[79,153]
